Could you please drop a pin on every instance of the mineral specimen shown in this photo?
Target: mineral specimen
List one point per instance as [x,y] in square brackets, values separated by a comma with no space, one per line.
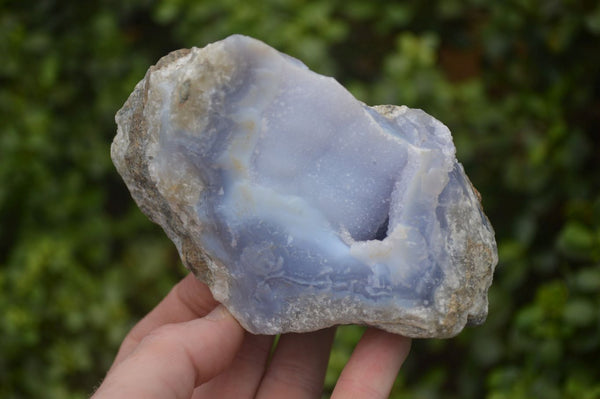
[300,206]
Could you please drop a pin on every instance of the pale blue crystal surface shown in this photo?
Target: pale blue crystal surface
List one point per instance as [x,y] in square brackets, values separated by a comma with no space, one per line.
[300,206]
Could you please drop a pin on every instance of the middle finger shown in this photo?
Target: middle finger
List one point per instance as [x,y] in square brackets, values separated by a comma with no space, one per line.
[298,367]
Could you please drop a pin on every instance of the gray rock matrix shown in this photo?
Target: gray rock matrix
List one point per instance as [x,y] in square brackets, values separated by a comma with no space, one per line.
[300,206]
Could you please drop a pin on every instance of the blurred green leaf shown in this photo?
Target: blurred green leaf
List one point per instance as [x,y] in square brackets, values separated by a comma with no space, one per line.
[578,241]
[580,312]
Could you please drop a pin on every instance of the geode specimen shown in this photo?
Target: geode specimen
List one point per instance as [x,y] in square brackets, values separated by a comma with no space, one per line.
[300,206]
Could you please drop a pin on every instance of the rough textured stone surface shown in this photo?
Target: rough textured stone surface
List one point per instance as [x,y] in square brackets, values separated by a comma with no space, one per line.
[300,206]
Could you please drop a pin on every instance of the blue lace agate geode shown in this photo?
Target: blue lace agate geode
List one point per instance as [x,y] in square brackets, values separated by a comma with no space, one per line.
[300,206]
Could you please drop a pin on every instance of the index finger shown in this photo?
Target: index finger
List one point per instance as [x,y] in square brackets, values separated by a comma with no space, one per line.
[189,299]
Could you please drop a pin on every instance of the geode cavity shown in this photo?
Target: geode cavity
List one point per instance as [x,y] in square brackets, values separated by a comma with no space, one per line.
[300,206]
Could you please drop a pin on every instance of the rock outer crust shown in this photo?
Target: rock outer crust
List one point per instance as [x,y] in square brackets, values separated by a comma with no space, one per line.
[168,200]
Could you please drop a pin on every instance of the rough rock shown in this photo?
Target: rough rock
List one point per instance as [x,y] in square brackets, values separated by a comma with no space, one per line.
[300,206]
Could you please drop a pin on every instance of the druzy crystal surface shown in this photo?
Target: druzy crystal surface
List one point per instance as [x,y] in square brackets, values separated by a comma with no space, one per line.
[300,206]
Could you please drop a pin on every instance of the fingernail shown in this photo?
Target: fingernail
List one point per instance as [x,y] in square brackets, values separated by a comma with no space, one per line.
[218,313]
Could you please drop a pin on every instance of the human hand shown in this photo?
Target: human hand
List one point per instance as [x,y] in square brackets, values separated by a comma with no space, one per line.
[189,346]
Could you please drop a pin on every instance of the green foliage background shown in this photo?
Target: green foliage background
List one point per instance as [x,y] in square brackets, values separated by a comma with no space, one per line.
[517,82]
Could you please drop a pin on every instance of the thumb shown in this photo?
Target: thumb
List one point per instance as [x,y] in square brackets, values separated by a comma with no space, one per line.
[175,358]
